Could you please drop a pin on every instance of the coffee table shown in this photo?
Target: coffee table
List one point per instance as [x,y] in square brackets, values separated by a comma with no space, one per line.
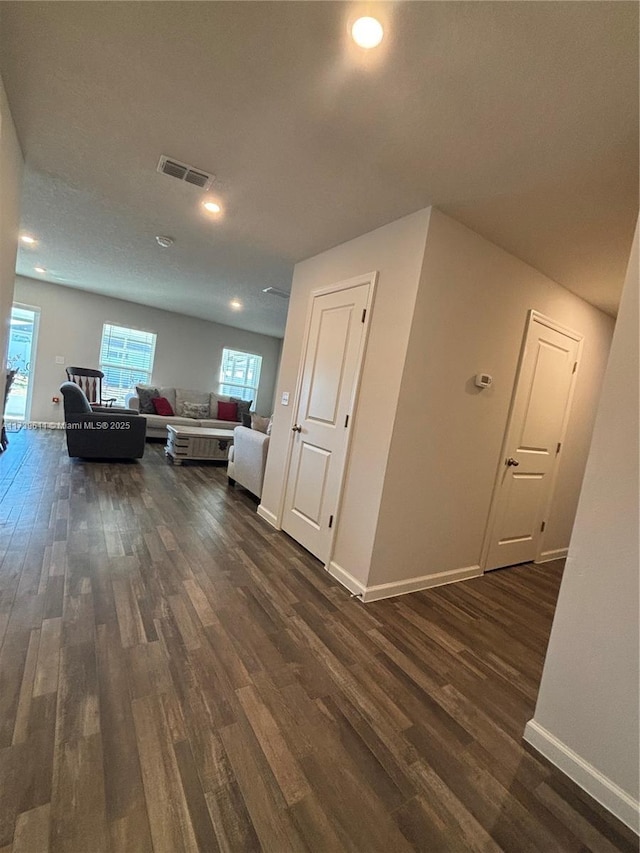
[185,442]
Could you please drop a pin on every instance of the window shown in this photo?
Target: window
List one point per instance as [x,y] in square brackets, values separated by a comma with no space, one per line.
[126,359]
[240,374]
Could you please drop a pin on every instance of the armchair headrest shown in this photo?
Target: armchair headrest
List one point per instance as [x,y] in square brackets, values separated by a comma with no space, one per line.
[75,400]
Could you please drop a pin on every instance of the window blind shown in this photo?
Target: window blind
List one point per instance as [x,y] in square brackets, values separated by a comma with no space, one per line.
[126,359]
[240,374]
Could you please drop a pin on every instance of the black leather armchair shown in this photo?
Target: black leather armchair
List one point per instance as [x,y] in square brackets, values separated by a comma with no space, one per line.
[95,433]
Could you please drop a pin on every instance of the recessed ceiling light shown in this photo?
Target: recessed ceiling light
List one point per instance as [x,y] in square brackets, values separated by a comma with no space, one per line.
[367,32]
[27,239]
[164,241]
[212,206]
[236,304]
[40,269]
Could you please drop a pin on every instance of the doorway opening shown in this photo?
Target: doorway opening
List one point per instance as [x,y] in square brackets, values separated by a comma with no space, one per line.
[23,334]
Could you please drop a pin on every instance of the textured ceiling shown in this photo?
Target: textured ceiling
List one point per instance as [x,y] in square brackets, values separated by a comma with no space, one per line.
[519,119]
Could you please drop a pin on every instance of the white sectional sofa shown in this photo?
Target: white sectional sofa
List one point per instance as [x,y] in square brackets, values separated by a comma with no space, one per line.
[157,424]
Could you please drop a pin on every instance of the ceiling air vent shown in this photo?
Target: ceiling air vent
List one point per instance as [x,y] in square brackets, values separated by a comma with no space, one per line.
[276,291]
[184,172]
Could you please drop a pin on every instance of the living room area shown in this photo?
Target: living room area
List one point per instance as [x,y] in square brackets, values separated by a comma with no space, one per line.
[136,345]
[341,553]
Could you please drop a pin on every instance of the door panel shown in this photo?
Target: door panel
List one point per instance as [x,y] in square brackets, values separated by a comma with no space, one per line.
[329,376]
[550,383]
[519,522]
[311,483]
[328,362]
[540,407]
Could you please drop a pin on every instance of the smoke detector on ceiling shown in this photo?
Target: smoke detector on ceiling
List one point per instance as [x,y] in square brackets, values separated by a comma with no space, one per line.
[183,172]
[164,241]
[276,291]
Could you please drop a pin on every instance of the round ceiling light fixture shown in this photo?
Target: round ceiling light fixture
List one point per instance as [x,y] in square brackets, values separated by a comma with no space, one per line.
[212,206]
[236,304]
[367,32]
[28,240]
[164,241]
[41,270]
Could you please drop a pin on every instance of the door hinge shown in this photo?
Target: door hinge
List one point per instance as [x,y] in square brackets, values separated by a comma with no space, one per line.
[575,366]
[364,314]
[346,421]
[330,521]
[558,447]
[542,526]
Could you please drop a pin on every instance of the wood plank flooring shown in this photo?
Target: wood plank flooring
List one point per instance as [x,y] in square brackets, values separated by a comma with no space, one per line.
[176,676]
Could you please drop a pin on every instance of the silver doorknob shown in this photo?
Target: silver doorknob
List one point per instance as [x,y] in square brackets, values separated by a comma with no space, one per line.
[512,462]
[296,428]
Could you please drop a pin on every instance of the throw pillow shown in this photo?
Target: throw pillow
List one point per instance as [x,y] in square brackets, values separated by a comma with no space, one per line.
[245,419]
[227,411]
[146,393]
[199,411]
[162,406]
[270,425]
[184,395]
[259,423]
[243,406]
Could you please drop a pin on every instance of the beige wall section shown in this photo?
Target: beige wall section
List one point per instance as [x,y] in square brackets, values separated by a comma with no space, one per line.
[10,185]
[589,694]
[396,252]
[188,351]
[470,317]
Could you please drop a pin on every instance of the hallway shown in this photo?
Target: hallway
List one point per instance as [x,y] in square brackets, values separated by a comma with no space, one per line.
[177,676]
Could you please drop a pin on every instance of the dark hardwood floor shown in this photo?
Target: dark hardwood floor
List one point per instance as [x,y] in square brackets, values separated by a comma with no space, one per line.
[175,675]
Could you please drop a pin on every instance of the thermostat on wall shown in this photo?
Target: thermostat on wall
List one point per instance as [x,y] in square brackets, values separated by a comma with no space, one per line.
[483,380]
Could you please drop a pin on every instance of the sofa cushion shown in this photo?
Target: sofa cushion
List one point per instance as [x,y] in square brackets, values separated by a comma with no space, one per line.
[146,393]
[162,407]
[195,410]
[160,422]
[170,394]
[186,395]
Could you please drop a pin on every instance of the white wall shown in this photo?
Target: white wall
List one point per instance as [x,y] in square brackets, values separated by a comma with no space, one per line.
[10,183]
[470,317]
[396,251]
[188,351]
[587,718]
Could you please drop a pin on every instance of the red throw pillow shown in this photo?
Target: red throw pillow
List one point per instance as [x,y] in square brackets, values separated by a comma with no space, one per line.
[162,406]
[227,411]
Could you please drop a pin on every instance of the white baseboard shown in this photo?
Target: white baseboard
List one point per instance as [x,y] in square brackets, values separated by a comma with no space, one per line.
[547,556]
[600,787]
[388,590]
[343,576]
[268,516]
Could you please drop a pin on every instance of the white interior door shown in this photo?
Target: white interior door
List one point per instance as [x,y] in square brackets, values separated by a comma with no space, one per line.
[336,332]
[539,412]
